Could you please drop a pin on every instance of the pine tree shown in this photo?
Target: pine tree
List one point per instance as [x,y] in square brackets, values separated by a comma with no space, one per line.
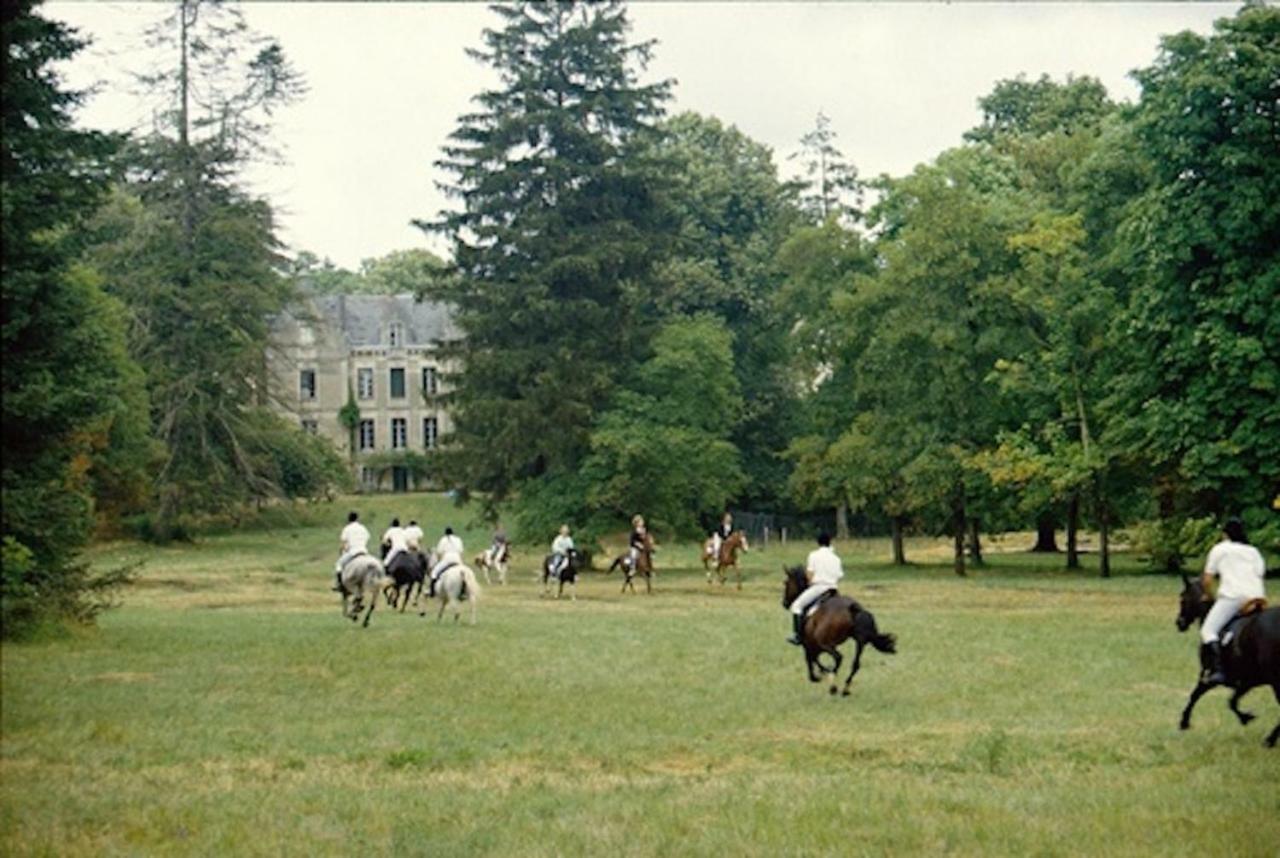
[558,226]
[68,384]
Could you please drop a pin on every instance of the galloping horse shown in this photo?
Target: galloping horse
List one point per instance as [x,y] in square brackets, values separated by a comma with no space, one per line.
[835,620]
[729,556]
[456,584]
[643,566]
[487,562]
[568,574]
[1250,657]
[407,570]
[361,579]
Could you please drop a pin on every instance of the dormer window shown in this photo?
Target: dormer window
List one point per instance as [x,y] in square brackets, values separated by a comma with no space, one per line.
[395,335]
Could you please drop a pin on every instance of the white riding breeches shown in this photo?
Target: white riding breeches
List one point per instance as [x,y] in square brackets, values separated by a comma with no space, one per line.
[392,556]
[346,558]
[1219,615]
[716,541]
[450,559]
[808,597]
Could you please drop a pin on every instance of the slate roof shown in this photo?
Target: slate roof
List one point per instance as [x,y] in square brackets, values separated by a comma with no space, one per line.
[364,319]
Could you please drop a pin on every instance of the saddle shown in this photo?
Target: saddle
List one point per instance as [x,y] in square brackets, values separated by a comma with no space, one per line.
[820,601]
[1248,609]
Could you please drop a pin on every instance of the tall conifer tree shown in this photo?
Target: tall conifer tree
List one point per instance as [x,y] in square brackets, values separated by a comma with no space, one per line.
[557,229]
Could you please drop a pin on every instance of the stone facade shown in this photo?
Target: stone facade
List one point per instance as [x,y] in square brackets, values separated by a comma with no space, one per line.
[380,350]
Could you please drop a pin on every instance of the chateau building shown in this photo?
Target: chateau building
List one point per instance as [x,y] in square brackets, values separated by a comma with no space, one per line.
[380,352]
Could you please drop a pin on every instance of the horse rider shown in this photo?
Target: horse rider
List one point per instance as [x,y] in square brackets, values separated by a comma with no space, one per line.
[395,541]
[560,548]
[449,550]
[639,539]
[720,534]
[823,570]
[1240,571]
[413,537]
[353,541]
[499,546]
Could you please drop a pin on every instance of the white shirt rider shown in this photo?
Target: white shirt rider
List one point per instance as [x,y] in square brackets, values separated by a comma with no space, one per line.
[448,552]
[413,537]
[560,548]
[824,571]
[1240,571]
[397,542]
[354,540]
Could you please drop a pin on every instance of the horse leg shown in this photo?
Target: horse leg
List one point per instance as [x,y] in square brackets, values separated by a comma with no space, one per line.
[1196,694]
[444,603]
[857,663]
[737,573]
[648,583]
[573,590]
[1270,741]
[1234,703]
[835,669]
[373,603]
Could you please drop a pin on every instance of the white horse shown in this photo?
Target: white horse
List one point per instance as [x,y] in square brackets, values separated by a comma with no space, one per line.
[450,591]
[362,578]
[487,561]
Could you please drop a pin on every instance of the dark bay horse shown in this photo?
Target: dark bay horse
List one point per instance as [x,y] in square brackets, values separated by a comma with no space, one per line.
[643,566]
[733,543]
[406,571]
[1249,659]
[836,620]
[568,575]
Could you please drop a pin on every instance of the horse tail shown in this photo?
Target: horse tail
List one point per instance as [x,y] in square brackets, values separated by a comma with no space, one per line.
[864,627]
[473,586]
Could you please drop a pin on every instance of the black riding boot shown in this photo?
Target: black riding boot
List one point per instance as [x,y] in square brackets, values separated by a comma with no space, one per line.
[797,625]
[431,591]
[1211,660]
[337,585]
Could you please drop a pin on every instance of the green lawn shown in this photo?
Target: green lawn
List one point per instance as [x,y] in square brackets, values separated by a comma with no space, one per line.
[227,709]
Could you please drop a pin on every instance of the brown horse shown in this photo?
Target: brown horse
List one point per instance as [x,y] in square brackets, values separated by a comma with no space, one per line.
[643,566]
[729,556]
[1250,658]
[834,621]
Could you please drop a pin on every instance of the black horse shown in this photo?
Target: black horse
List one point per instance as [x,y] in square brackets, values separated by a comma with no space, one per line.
[408,570]
[568,574]
[836,620]
[1250,658]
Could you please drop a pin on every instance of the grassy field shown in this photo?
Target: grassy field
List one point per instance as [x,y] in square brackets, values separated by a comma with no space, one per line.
[227,709]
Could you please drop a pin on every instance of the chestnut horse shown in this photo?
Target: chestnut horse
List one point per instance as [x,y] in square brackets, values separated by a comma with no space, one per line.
[835,620]
[729,556]
[1251,657]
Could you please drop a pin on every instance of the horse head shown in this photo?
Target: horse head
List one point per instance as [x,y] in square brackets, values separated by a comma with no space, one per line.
[1193,604]
[793,584]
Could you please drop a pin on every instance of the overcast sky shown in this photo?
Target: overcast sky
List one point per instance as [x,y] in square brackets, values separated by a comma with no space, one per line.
[387,82]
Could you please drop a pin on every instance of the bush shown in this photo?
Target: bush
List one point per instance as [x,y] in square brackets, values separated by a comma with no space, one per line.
[1166,544]
[32,597]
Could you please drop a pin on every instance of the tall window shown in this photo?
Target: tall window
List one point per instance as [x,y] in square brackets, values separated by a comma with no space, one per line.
[369,478]
[366,435]
[429,384]
[430,432]
[395,335]
[397,383]
[364,382]
[311,427]
[307,384]
[399,433]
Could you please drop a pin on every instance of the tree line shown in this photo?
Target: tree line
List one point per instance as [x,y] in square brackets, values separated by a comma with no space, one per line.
[1068,319]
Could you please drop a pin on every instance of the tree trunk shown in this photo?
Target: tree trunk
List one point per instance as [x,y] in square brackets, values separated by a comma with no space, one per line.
[842,521]
[1045,540]
[1073,529]
[958,528]
[1104,547]
[899,555]
[975,541]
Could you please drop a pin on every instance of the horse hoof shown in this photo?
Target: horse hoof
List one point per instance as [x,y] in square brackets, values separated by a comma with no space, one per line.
[833,691]
[845,693]
[1184,725]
